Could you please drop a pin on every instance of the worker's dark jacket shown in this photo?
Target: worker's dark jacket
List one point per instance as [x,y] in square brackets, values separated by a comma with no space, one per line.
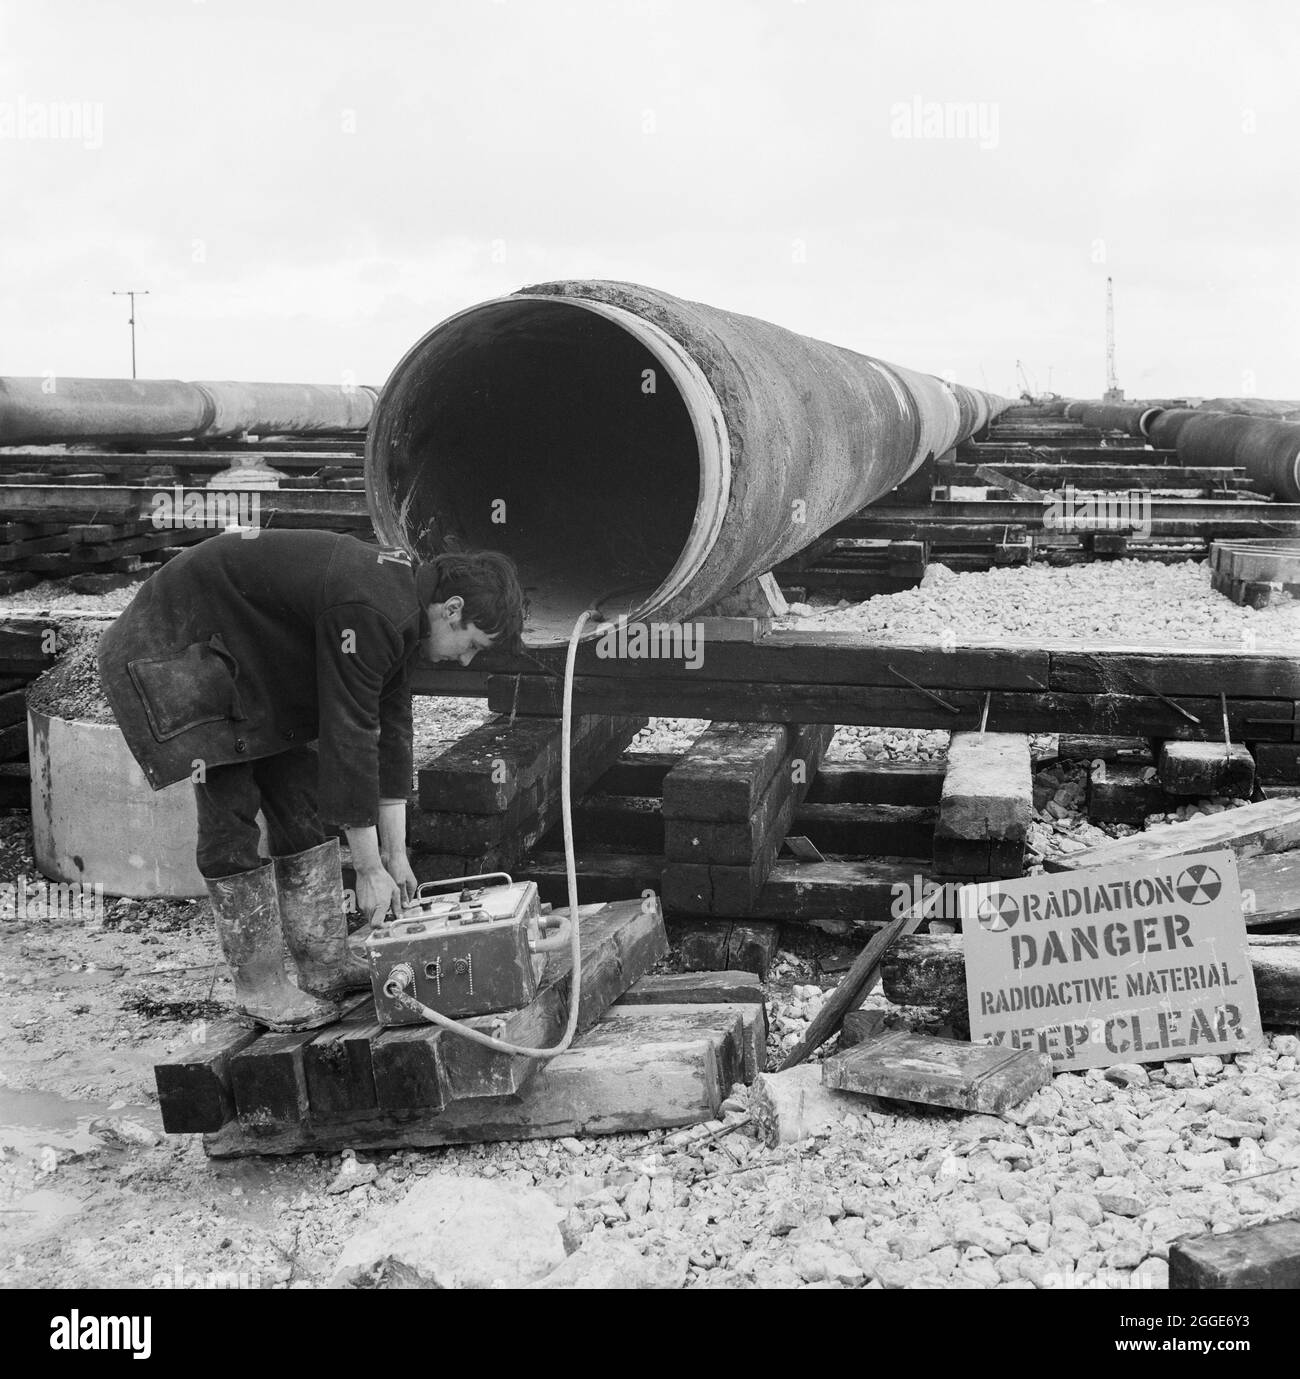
[244,647]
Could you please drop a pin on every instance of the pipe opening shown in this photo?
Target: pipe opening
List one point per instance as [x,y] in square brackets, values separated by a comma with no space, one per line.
[555,433]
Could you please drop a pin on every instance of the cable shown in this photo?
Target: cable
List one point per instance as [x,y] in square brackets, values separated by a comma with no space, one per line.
[571,868]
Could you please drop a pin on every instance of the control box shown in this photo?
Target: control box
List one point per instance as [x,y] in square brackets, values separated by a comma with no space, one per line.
[465,946]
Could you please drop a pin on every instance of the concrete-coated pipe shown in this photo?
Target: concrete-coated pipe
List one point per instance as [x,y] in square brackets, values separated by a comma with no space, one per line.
[95,818]
[48,411]
[291,409]
[36,411]
[1130,417]
[637,452]
[1211,438]
[1270,452]
[1163,430]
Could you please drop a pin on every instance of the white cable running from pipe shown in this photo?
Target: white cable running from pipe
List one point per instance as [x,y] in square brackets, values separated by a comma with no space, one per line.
[571,867]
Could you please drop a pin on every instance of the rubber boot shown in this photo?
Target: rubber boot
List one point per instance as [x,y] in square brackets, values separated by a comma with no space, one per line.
[315,925]
[248,927]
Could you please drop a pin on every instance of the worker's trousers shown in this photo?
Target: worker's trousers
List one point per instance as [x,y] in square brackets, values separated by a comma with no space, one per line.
[282,787]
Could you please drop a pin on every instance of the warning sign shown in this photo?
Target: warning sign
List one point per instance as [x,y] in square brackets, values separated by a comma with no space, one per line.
[1118,965]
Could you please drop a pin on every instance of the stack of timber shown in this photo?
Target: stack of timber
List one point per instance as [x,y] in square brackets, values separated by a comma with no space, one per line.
[1096,689]
[27,648]
[985,808]
[874,821]
[666,1055]
[1255,572]
[727,809]
[84,512]
[483,802]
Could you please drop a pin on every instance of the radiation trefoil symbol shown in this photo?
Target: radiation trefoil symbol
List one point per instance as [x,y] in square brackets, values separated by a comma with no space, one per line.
[998,913]
[1199,884]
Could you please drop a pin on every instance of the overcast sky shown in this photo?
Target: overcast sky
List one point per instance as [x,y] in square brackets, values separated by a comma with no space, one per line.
[305,189]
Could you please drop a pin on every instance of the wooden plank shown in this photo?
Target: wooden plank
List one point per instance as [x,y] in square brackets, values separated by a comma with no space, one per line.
[534,809]
[15,785]
[267,1080]
[986,805]
[407,1071]
[862,659]
[847,898]
[1101,714]
[890,830]
[1193,672]
[13,707]
[620,942]
[1264,1256]
[752,946]
[1251,830]
[724,775]
[194,1091]
[610,1082]
[1275,964]
[938,1072]
[485,769]
[1133,751]
[1277,763]
[733,890]
[878,782]
[13,742]
[716,841]
[337,1065]
[753,1032]
[701,945]
[689,988]
[1207,768]
[1119,793]
[601,876]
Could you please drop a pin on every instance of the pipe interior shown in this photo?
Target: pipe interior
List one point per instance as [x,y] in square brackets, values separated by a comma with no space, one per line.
[538,413]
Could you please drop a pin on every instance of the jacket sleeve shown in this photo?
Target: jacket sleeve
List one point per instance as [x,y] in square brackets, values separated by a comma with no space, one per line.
[357,651]
[396,754]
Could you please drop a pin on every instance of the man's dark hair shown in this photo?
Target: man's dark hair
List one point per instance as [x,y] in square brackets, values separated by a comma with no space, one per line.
[488,582]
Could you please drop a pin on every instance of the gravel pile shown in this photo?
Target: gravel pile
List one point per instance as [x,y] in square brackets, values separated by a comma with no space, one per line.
[57,596]
[1121,600]
[71,688]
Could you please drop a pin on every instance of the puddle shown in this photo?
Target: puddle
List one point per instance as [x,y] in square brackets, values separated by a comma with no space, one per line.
[29,1120]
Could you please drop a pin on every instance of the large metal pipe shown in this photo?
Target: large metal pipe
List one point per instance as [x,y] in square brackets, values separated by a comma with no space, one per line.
[1163,430]
[637,452]
[1133,418]
[1270,453]
[35,411]
[1268,450]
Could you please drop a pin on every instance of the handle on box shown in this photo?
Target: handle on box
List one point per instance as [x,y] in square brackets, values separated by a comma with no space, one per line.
[554,941]
[458,880]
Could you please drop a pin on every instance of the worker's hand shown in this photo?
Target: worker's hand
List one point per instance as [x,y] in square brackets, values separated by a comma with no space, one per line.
[400,870]
[378,894]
